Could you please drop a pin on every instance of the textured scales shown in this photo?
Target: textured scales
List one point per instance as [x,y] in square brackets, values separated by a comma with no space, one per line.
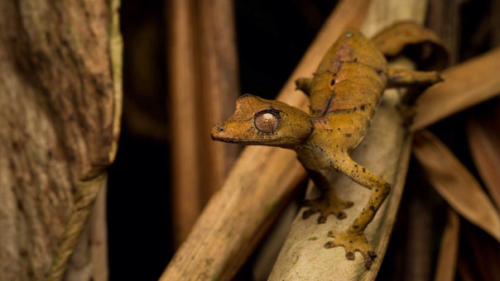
[344,94]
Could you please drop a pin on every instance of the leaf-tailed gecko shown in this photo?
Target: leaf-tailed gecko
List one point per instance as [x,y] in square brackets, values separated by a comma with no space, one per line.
[344,94]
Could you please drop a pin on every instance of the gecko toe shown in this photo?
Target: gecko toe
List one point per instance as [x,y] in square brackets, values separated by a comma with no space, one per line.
[368,264]
[350,256]
[329,245]
[321,220]
[341,215]
[307,214]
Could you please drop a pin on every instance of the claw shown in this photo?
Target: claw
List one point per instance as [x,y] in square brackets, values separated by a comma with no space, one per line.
[368,264]
[329,245]
[350,256]
[321,219]
[341,215]
[307,214]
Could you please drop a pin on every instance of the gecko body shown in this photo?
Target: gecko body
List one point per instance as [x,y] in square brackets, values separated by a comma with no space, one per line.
[344,94]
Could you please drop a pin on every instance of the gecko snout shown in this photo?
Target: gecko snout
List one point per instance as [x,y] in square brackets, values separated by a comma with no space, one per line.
[218,131]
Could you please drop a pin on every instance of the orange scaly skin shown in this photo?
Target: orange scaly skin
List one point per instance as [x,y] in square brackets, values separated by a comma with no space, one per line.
[344,94]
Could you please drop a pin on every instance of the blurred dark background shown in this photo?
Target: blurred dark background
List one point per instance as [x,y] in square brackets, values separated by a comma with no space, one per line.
[271,38]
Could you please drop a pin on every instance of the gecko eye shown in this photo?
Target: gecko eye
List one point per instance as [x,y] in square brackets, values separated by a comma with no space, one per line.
[267,121]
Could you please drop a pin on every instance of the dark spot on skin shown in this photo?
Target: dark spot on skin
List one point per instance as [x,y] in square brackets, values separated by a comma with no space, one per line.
[49,154]
[364,170]
[355,59]
[342,150]
[372,208]
[337,145]
[332,82]
[376,198]
[376,190]
[356,165]
[350,241]
[338,129]
[348,135]
[362,107]
[355,226]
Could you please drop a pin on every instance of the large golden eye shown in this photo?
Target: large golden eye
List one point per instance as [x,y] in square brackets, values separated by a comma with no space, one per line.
[267,121]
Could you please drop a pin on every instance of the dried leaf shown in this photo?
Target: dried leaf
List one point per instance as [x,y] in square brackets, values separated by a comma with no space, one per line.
[408,33]
[481,251]
[455,183]
[484,142]
[448,251]
[465,85]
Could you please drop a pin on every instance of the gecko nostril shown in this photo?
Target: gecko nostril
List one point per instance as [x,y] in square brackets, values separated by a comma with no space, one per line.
[220,129]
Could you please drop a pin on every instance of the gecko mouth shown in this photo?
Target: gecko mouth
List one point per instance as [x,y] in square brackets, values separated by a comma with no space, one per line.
[220,133]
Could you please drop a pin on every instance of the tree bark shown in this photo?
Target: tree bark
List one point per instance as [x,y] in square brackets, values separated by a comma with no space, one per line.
[60,98]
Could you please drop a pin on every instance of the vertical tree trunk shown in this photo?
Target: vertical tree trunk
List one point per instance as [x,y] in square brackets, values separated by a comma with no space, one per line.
[60,98]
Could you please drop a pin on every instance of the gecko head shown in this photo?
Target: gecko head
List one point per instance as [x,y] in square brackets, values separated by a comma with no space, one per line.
[264,122]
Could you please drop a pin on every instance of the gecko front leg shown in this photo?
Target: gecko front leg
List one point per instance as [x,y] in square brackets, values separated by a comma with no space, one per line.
[304,84]
[354,239]
[328,203]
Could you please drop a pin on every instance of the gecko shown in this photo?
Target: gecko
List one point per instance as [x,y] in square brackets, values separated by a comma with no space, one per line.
[344,93]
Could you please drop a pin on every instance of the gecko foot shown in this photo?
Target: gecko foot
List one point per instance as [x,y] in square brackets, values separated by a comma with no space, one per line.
[352,242]
[326,205]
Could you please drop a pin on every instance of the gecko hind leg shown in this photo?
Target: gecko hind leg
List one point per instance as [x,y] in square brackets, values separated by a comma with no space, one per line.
[405,78]
[328,203]
[354,239]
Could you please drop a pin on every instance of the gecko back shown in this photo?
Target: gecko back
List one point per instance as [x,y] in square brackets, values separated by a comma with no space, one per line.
[351,76]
